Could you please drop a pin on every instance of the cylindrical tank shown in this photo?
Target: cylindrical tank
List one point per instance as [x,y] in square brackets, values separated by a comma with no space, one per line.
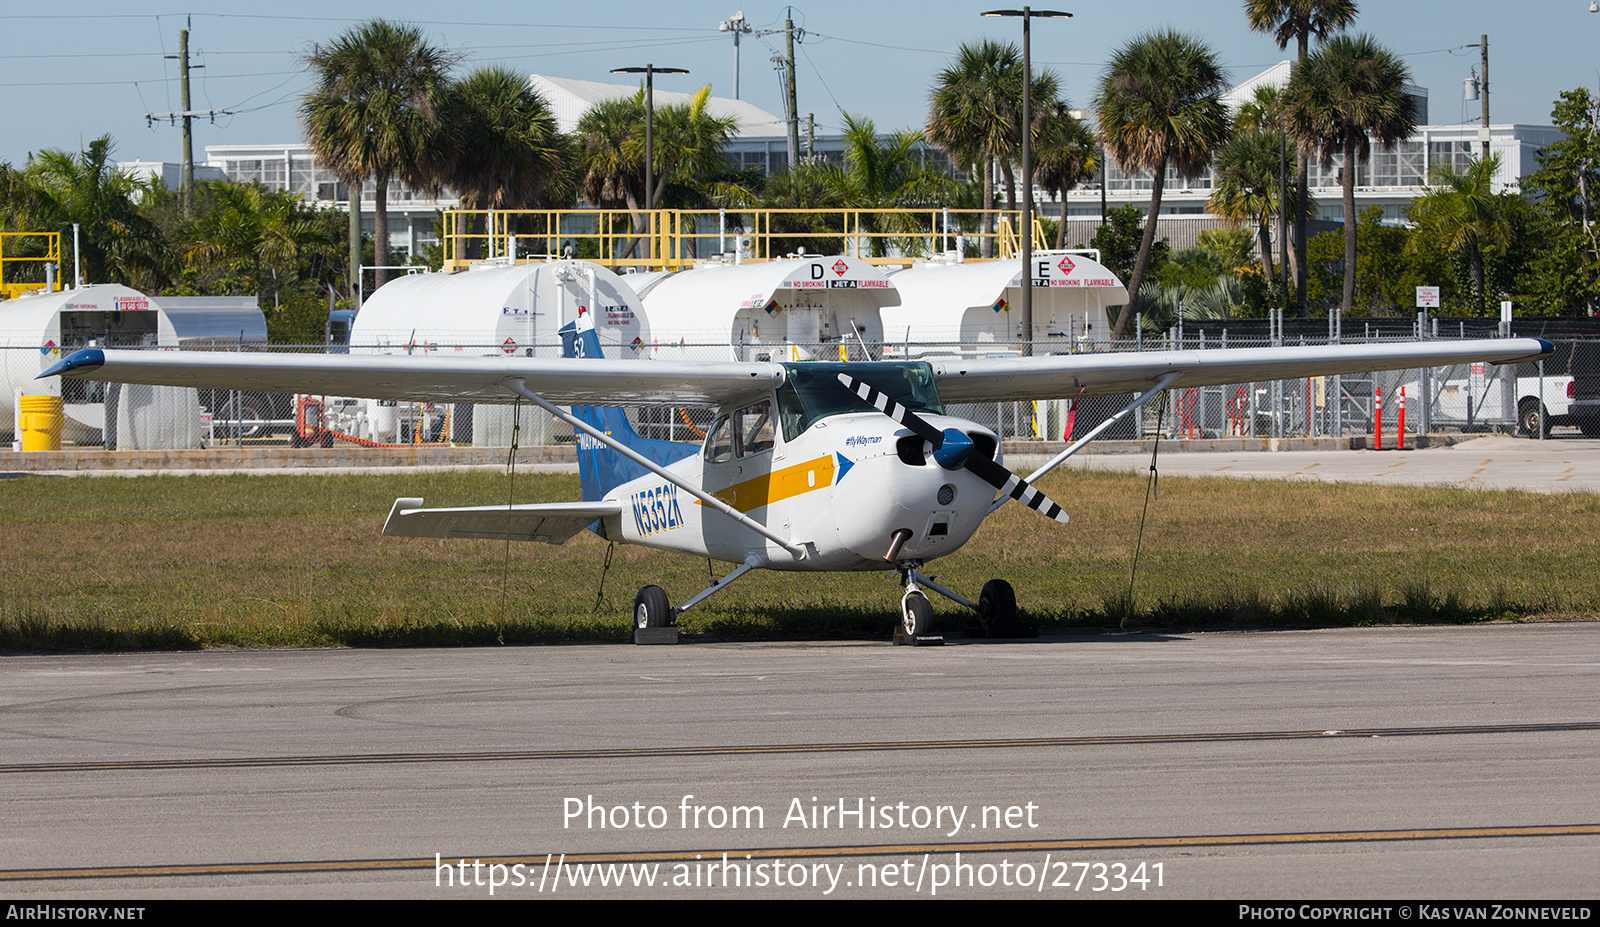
[813,308]
[36,330]
[972,308]
[498,309]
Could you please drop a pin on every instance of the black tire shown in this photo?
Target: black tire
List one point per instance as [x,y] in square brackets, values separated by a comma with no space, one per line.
[1532,419]
[916,615]
[651,609]
[997,605]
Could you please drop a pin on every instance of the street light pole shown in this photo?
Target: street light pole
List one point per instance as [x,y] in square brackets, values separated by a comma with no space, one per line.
[1026,231]
[649,71]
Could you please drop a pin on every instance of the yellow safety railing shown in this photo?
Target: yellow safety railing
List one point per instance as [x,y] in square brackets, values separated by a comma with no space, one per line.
[15,261]
[672,239]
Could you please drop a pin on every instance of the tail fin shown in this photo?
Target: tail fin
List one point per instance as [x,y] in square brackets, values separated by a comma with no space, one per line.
[600,468]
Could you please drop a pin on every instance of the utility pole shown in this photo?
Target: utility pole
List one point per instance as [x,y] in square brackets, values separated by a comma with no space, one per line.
[188,125]
[794,110]
[187,114]
[1483,133]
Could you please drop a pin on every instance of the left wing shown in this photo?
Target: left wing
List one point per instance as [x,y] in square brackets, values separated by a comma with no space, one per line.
[431,378]
[552,522]
[1063,376]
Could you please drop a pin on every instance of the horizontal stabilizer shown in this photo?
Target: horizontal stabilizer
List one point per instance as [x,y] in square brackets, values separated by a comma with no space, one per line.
[550,522]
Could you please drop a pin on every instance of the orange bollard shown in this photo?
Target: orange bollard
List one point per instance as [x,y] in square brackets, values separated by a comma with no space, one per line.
[1377,418]
[1400,429]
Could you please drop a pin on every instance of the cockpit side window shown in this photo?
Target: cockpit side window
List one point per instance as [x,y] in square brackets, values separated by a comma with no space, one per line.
[754,425]
[719,441]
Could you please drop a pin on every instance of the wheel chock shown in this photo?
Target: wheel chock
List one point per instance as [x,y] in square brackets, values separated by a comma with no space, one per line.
[902,639]
[667,635]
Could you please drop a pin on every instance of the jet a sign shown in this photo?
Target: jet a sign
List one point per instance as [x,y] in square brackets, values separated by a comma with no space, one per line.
[1053,271]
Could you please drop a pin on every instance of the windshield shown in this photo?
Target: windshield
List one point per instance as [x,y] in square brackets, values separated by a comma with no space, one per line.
[812,392]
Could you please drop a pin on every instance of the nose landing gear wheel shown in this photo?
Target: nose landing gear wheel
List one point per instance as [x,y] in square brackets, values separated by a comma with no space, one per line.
[916,615]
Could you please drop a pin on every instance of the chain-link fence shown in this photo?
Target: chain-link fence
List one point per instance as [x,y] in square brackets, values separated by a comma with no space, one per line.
[1527,398]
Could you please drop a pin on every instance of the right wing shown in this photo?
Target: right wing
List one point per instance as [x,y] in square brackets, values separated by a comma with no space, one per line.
[550,522]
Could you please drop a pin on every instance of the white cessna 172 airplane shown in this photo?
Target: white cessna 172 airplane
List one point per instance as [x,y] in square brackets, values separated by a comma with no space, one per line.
[809,466]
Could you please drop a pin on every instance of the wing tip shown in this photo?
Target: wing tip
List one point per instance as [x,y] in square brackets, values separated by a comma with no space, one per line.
[77,362]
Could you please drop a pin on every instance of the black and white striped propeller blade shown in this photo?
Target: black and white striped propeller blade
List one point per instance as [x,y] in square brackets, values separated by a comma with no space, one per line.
[880,400]
[958,454]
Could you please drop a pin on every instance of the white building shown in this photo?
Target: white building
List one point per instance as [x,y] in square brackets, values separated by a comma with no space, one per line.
[294,167]
[1390,179]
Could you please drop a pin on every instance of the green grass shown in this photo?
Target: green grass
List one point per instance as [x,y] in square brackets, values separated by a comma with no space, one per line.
[199,561]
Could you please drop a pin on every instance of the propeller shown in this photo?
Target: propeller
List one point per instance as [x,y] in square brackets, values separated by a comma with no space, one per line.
[952,450]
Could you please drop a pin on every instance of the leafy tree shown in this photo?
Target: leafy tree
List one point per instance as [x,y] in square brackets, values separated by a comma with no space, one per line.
[1350,92]
[1298,21]
[1564,272]
[1118,241]
[1160,106]
[1245,191]
[688,146]
[1461,213]
[374,112]
[261,240]
[1387,272]
[887,173]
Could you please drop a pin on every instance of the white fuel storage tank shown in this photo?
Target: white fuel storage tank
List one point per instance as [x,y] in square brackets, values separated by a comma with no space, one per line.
[500,309]
[38,329]
[811,308]
[972,308]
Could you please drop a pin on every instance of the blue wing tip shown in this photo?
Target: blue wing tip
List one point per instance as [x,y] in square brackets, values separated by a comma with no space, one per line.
[77,361]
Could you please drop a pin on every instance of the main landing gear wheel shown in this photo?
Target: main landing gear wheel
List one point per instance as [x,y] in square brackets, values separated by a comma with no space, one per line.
[651,609]
[916,615]
[997,612]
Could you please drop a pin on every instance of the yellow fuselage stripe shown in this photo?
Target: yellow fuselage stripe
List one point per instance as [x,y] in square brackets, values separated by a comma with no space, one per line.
[778,485]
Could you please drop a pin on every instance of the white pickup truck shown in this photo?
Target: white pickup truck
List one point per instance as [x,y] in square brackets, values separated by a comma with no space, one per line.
[1481,400]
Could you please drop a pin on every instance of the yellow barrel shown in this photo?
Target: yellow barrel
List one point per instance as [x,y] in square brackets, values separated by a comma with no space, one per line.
[41,423]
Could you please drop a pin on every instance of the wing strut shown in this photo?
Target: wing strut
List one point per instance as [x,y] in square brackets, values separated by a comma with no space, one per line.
[515,385]
[1162,383]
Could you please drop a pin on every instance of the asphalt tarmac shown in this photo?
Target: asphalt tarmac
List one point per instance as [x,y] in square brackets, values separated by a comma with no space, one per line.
[1393,763]
[1566,464]
[1400,764]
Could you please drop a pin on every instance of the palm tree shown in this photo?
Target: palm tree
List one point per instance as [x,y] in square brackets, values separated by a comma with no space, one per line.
[887,173]
[1160,107]
[373,112]
[1245,189]
[688,146]
[256,234]
[57,189]
[1462,213]
[975,115]
[507,150]
[1350,92]
[1065,154]
[1297,21]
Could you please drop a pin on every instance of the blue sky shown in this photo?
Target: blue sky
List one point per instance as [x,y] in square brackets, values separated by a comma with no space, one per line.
[96,67]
